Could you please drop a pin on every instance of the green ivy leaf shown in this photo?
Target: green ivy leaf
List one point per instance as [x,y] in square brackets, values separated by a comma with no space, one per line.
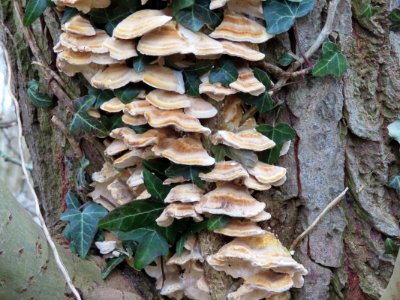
[200,67]
[263,102]
[192,83]
[133,215]
[394,17]
[81,177]
[281,14]
[286,59]
[332,61]
[280,134]
[197,15]
[245,157]
[177,5]
[224,72]
[394,183]
[154,186]
[194,228]
[157,166]
[69,12]
[112,263]
[114,14]
[218,152]
[127,93]
[72,201]
[394,130]
[83,123]
[368,11]
[391,247]
[216,222]
[33,10]
[188,172]
[263,77]
[151,244]
[83,226]
[38,100]
[100,95]
[140,128]
[141,61]
[115,121]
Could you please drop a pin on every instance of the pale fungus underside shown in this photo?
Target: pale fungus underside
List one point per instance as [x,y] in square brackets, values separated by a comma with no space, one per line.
[163,151]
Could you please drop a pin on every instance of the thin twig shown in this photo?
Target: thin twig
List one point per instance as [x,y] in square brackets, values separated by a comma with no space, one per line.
[8,124]
[46,232]
[73,142]
[316,221]
[8,158]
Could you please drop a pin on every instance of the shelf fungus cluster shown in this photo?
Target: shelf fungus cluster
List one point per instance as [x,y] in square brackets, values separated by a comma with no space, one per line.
[182,128]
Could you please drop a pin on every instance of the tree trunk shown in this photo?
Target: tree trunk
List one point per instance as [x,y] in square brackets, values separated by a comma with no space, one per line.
[342,141]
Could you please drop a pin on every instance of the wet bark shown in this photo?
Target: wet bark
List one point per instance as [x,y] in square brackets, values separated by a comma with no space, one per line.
[342,141]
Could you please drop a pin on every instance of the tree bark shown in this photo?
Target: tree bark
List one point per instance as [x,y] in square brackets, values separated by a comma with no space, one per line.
[342,141]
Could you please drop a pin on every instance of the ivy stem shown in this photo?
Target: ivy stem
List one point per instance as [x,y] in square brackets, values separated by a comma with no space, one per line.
[296,35]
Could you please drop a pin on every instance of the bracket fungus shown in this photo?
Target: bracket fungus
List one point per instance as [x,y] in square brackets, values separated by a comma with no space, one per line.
[178,108]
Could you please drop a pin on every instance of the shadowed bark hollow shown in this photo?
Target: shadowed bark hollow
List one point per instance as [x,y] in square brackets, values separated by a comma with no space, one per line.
[342,141]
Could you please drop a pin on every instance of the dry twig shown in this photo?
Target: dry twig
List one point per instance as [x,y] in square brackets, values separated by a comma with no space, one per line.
[316,221]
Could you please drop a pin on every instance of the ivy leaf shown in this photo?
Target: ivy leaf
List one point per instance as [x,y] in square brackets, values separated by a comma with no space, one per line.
[280,134]
[115,121]
[83,123]
[194,228]
[141,61]
[132,215]
[69,12]
[81,177]
[394,183]
[332,61]
[368,11]
[83,225]
[154,186]
[177,5]
[72,201]
[286,59]
[391,247]
[216,222]
[38,100]
[263,102]
[218,152]
[394,130]
[394,17]
[245,157]
[281,14]
[100,95]
[112,263]
[157,166]
[263,78]
[33,10]
[127,93]
[200,67]
[224,72]
[192,83]
[197,15]
[188,172]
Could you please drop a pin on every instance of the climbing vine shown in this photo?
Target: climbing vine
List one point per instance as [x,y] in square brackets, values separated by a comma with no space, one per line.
[174,90]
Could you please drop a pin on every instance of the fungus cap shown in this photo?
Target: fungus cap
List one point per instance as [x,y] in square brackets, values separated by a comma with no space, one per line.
[164,78]
[238,28]
[200,109]
[177,211]
[139,23]
[247,139]
[79,25]
[251,8]
[267,174]
[262,216]
[237,228]
[248,83]
[225,171]
[252,183]
[231,200]
[184,151]
[121,49]
[85,58]
[139,140]
[116,147]
[114,77]
[139,107]
[82,43]
[158,118]
[243,50]
[168,100]
[113,106]
[247,256]
[185,193]
[133,120]
[84,5]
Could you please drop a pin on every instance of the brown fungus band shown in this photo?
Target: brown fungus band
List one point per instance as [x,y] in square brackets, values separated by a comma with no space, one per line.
[167,122]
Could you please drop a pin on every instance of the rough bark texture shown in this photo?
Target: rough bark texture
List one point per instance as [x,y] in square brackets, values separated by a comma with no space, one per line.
[342,141]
